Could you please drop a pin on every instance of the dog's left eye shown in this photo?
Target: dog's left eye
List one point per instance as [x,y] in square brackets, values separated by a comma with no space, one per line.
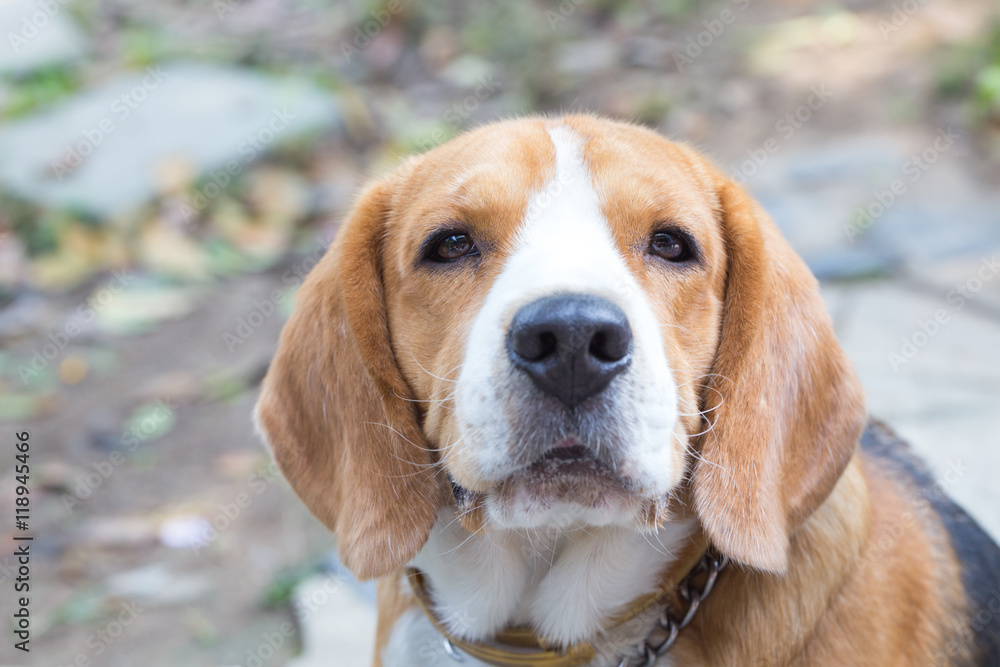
[670,246]
[452,246]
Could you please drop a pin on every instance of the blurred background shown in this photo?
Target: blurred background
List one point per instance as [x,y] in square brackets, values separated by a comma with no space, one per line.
[169,172]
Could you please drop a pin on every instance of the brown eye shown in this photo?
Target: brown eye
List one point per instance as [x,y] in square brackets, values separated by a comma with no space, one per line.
[453,246]
[670,246]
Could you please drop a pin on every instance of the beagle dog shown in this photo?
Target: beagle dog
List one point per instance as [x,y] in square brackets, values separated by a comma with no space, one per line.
[564,389]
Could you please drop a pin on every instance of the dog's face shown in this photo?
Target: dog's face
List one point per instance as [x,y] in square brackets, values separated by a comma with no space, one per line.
[557,321]
[554,304]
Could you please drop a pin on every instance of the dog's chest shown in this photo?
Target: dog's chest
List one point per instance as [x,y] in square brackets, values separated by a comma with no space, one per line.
[564,586]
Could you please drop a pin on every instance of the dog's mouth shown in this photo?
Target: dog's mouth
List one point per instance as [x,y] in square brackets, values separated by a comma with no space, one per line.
[569,458]
[568,472]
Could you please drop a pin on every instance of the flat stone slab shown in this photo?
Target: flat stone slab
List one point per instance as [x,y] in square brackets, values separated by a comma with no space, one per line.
[35,34]
[101,151]
[876,203]
[337,621]
[931,370]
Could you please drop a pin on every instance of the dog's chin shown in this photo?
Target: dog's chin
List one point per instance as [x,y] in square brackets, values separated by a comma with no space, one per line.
[566,488]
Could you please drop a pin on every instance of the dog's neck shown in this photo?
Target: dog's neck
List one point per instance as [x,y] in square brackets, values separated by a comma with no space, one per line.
[563,584]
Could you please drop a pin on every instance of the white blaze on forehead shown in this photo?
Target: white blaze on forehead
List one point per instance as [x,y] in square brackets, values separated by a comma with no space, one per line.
[565,242]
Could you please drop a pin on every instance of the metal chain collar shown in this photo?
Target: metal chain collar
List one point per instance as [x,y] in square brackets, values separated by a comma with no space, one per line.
[650,648]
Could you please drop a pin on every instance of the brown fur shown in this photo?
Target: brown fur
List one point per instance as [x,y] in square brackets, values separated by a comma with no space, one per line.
[393,597]
[357,404]
[836,605]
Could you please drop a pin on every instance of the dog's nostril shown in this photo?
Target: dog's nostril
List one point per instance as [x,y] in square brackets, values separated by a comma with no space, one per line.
[532,344]
[610,345]
[601,348]
[570,345]
[546,345]
[597,345]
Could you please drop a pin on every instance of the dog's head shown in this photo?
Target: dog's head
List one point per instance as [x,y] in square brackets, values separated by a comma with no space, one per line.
[552,318]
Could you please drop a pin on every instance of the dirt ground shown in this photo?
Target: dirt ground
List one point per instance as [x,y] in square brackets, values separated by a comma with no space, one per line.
[131,459]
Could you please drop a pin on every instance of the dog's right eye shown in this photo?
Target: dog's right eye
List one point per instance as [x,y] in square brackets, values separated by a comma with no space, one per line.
[451,246]
[670,246]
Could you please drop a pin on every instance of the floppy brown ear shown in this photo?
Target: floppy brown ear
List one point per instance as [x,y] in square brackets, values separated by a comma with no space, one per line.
[786,404]
[334,406]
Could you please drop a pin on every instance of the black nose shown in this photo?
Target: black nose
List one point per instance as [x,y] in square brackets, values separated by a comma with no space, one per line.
[570,345]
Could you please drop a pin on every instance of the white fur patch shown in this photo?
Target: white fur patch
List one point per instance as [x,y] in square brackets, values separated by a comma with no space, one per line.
[563,569]
[566,584]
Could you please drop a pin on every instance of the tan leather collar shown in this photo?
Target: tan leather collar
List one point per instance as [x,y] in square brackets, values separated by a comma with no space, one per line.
[521,647]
